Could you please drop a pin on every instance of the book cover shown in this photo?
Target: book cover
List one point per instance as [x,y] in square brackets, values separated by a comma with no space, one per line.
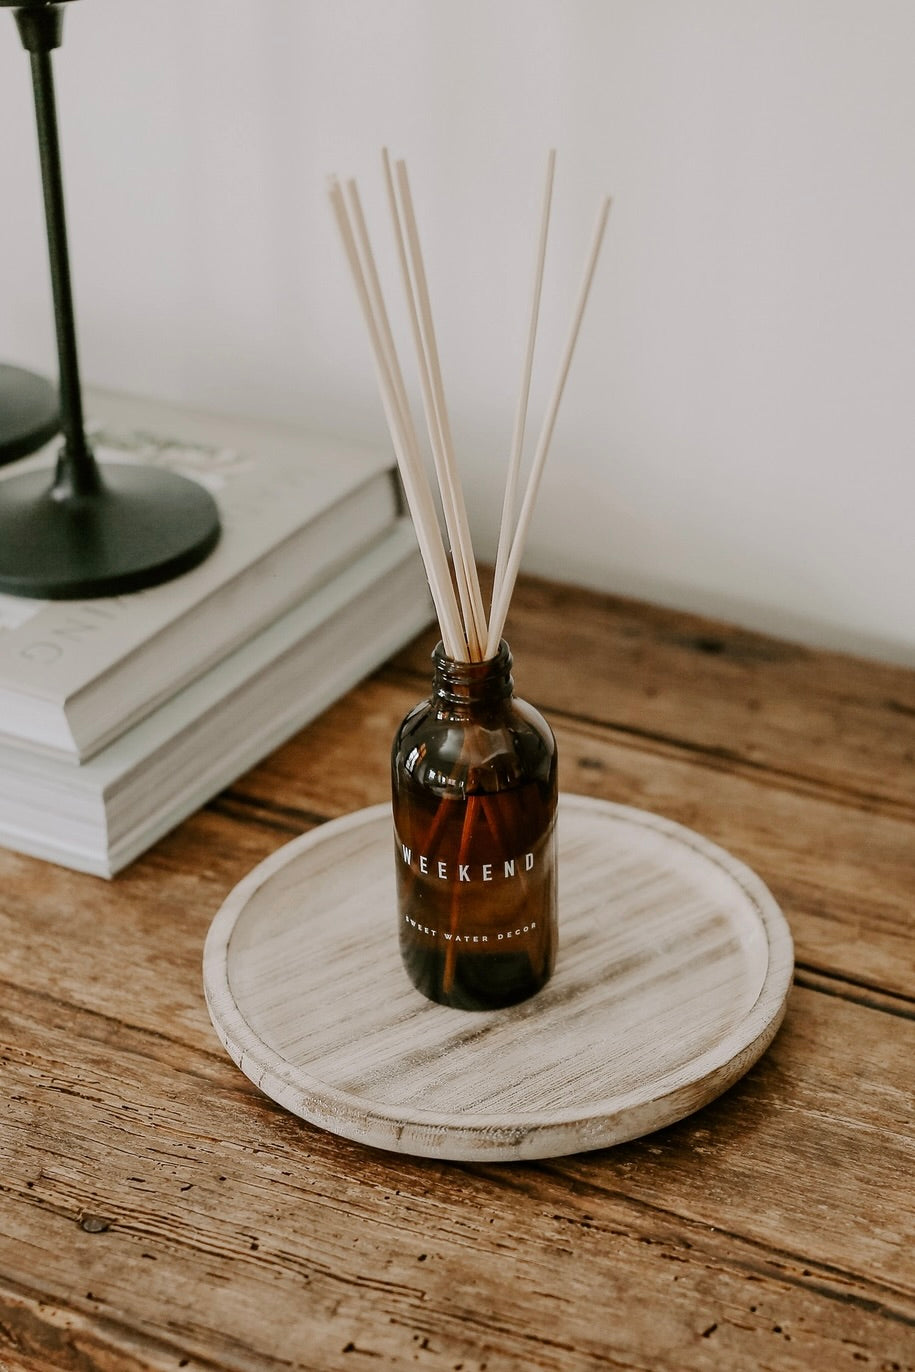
[98,817]
[295,508]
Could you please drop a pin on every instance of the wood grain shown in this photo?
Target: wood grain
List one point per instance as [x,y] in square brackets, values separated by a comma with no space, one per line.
[843,873]
[157,1212]
[758,702]
[674,968]
[214,1215]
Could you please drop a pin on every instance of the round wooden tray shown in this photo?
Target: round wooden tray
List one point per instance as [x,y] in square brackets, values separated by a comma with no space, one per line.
[673,971]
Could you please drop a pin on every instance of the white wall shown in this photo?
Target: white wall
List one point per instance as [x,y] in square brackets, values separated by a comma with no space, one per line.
[738,432]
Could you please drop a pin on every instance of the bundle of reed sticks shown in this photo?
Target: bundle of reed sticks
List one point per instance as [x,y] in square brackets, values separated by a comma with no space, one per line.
[468,633]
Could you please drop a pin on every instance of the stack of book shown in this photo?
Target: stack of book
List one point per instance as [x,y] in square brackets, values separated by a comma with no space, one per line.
[120,716]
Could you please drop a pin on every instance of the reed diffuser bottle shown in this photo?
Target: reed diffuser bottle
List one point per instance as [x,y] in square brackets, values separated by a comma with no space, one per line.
[473,768]
[473,772]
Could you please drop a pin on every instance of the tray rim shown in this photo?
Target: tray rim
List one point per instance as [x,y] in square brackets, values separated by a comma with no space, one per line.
[721,1064]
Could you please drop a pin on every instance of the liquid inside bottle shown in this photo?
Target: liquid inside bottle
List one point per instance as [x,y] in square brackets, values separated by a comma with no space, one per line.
[474,795]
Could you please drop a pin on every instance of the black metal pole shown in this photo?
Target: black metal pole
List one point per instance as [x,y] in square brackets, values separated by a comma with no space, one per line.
[40,28]
[85,535]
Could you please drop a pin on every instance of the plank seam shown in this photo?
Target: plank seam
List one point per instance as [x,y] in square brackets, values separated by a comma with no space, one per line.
[808,976]
[113,1335]
[870,1304]
[850,796]
[310,818]
[215,1055]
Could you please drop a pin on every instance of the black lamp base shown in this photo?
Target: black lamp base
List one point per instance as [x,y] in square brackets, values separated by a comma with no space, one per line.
[143,526]
[29,415]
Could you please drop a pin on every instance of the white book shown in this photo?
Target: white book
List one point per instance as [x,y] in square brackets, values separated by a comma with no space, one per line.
[295,507]
[100,816]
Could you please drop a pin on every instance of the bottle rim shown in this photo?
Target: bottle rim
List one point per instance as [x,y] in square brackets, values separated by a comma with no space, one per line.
[459,681]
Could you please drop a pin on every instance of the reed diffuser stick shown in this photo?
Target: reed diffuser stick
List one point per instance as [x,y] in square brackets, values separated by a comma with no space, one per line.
[440,431]
[449,484]
[514,461]
[393,395]
[500,608]
[461,615]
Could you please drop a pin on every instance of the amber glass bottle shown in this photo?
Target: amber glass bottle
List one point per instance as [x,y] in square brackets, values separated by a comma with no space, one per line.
[474,791]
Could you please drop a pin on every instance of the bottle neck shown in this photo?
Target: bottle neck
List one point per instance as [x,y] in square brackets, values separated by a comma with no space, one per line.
[459,687]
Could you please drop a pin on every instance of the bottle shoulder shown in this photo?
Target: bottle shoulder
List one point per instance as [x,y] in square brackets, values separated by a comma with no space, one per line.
[466,751]
[511,716]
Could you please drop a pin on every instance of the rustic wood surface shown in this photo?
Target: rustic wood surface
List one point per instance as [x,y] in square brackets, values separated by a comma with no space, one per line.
[674,968]
[158,1212]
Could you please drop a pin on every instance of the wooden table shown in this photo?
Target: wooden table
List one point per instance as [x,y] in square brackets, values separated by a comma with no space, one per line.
[158,1212]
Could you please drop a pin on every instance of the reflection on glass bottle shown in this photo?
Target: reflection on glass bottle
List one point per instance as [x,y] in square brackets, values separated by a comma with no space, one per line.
[474,793]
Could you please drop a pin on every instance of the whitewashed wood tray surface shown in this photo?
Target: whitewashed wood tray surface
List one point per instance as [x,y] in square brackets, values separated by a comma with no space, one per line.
[673,971]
